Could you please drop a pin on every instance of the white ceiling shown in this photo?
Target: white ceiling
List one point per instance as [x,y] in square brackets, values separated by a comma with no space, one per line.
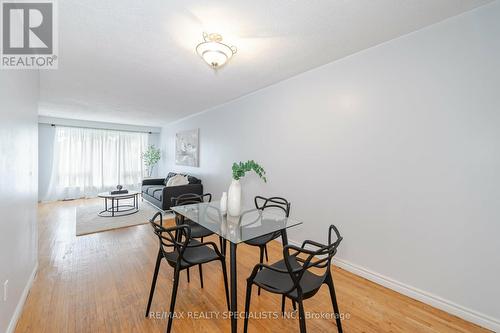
[133,61]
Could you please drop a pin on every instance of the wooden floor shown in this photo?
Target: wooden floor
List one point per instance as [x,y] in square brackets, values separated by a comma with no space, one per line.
[100,283]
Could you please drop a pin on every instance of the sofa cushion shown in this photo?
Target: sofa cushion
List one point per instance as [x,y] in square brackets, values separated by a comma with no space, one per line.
[191,179]
[170,175]
[158,194]
[153,188]
[145,188]
[178,180]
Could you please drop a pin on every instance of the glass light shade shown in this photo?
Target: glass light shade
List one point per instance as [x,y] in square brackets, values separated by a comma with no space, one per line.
[214,53]
[214,58]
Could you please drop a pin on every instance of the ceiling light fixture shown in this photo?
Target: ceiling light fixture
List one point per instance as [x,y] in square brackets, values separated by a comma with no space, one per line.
[213,51]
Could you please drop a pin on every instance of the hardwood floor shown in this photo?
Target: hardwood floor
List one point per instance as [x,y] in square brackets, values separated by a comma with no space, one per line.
[100,283]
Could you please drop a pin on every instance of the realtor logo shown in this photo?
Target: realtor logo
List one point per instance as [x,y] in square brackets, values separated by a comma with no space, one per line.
[29,39]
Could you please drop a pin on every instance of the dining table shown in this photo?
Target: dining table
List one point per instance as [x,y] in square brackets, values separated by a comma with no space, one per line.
[248,225]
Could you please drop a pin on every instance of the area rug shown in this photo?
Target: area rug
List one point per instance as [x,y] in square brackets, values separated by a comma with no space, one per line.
[88,222]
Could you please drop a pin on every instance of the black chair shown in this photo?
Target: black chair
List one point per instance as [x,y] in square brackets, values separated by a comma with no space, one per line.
[261,241]
[292,276]
[197,231]
[184,253]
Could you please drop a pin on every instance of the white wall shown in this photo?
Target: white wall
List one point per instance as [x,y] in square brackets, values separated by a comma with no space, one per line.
[398,145]
[18,189]
[46,134]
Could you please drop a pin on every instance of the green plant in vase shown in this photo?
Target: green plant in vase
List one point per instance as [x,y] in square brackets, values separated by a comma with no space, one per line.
[234,193]
[151,157]
[241,168]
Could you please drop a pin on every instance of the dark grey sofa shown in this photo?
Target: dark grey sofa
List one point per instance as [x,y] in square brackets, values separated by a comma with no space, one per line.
[155,191]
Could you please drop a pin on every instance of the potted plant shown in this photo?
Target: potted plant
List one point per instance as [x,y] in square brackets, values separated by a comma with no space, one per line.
[234,192]
[151,157]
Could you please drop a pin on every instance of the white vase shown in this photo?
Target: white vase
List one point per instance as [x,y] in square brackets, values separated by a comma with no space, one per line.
[223,203]
[234,198]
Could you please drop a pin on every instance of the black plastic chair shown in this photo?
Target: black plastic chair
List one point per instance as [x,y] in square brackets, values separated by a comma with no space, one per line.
[292,276]
[184,253]
[197,231]
[261,241]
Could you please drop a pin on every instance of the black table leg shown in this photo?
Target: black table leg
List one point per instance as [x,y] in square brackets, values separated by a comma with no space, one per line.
[284,237]
[106,204]
[113,207]
[234,291]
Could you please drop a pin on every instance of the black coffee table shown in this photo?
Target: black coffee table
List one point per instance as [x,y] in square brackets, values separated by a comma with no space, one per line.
[116,208]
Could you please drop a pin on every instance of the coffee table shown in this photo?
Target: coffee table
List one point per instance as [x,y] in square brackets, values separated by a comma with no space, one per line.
[116,208]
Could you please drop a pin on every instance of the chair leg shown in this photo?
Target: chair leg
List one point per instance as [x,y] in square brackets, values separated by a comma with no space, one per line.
[188,274]
[201,275]
[172,301]
[247,306]
[329,282]
[222,245]
[153,283]
[265,251]
[294,305]
[283,304]
[302,317]
[226,287]
[261,260]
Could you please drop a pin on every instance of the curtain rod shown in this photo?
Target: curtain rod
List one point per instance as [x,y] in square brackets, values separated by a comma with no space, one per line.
[100,128]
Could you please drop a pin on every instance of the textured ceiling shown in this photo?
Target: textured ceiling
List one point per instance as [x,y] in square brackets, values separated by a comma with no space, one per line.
[133,61]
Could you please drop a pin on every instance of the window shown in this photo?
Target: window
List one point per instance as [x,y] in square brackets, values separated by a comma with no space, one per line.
[88,161]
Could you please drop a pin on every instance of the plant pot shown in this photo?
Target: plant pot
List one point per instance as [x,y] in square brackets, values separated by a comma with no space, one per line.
[234,198]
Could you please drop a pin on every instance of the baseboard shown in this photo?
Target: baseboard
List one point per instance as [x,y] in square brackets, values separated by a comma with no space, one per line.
[423,296]
[20,305]
[420,295]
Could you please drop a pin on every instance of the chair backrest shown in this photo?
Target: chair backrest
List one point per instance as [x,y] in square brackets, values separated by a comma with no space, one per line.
[188,199]
[317,257]
[273,202]
[172,239]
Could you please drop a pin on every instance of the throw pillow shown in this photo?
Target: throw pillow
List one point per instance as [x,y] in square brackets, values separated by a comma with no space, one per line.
[170,175]
[193,180]
[177,180]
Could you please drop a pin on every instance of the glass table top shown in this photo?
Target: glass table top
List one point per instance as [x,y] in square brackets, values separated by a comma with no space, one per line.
[236,229]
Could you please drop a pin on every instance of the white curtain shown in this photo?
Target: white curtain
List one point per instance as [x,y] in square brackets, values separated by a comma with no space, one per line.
[88,161]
